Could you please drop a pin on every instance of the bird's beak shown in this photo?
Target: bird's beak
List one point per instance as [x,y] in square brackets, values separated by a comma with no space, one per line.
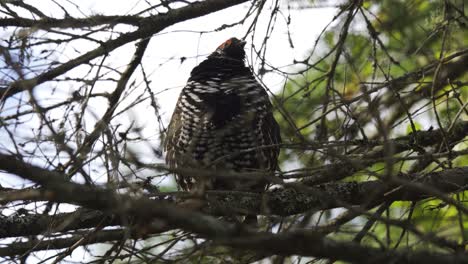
[242,43]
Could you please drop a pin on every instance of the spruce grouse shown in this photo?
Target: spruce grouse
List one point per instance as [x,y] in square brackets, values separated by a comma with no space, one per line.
[223,121]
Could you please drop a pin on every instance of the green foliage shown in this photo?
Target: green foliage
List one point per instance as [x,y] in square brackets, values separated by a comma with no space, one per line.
[386,40]
[358,99]
[410,129]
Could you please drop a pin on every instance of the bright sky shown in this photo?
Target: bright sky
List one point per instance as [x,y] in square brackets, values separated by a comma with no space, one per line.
[168,76]
[161,61]
[184,40]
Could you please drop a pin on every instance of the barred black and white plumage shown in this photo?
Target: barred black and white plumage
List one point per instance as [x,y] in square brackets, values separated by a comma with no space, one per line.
[221,114]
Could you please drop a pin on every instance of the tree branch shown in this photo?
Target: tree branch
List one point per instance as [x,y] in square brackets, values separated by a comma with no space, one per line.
[147,28]
[70,22]
[420,139]
[302,243]
[312,244]
[280,201]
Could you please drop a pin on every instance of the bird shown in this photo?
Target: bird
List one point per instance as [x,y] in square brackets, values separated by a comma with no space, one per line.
[223,122]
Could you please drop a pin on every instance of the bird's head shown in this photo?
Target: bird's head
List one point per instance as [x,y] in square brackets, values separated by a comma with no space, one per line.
[232,48]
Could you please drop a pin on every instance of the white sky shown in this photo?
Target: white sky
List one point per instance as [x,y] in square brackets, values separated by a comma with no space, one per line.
[182,40]
[168,76]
